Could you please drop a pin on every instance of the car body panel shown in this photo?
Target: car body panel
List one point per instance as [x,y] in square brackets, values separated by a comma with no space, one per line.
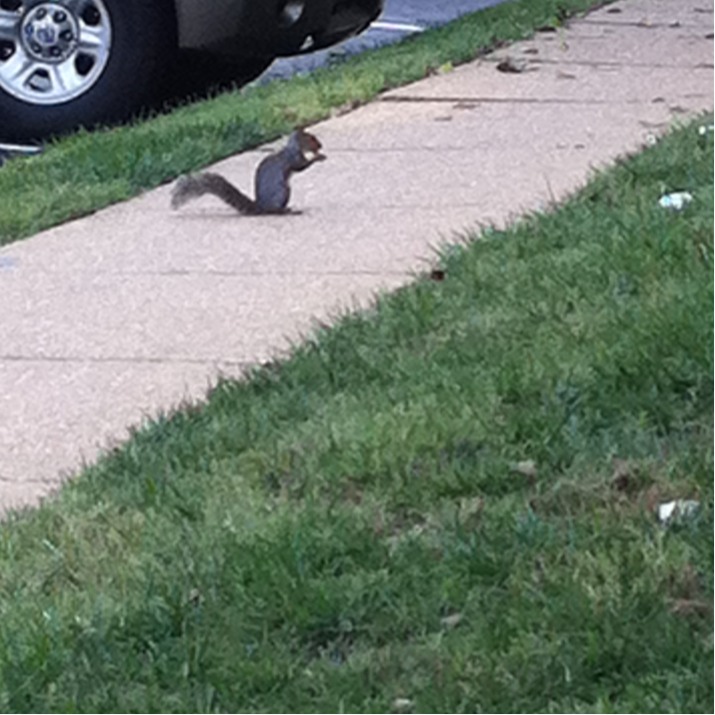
[260,27]
[202,24]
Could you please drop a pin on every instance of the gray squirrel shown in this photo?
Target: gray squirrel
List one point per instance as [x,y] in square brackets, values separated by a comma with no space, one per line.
[271,182]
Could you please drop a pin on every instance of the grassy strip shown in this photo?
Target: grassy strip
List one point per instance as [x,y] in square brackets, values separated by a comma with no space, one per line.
[442,505]
[86,172]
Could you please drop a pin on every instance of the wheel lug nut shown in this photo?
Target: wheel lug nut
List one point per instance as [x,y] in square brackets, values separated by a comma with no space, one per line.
[36,48]
[55,52]
[59,17]
[66,36]
[41,13]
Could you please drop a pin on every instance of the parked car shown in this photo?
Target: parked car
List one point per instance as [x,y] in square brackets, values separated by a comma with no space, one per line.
[66,63]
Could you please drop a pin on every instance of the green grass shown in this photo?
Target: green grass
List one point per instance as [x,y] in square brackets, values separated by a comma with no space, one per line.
[353,526]
[88,171]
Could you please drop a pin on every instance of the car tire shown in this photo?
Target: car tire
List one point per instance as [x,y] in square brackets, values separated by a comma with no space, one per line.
[71,63]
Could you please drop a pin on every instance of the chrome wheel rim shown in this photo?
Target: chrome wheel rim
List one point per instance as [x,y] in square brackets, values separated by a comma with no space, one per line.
[52,52]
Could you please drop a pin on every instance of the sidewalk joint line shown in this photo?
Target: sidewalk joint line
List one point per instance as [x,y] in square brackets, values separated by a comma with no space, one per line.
[45,482]
[614,64]
[636,23]
[506,100]
[227,274]
[126,360]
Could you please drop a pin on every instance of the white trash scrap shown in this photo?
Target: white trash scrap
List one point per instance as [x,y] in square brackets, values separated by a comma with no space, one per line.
[680,508]
[677,201]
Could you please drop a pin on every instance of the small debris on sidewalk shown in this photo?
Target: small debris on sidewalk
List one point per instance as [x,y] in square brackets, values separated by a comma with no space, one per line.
[465,106]
[676,201]
[446,68]
[512,65]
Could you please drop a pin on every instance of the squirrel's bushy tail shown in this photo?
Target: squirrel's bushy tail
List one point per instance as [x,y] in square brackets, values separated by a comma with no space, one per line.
[182,191]
[192,186]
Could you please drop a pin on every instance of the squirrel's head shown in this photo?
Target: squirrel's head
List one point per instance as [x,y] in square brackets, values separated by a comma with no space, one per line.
[308,144]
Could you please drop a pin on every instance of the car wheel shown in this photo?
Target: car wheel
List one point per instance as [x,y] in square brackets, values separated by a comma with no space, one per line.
[67,63]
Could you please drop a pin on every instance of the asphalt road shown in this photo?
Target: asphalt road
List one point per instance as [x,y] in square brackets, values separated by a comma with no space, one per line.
[429,13]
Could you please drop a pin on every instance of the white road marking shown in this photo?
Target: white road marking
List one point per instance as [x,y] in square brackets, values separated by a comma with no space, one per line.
[21,149]
[396,26]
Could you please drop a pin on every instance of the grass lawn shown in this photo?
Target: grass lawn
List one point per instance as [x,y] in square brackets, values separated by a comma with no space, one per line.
[87,171]
[444,504]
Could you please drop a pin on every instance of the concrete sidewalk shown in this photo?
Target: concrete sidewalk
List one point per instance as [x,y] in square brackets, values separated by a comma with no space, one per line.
[124,314]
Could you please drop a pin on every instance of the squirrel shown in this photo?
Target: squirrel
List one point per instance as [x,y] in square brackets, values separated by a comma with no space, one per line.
[271,181]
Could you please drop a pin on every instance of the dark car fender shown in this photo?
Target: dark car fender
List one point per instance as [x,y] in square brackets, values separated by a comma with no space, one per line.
[271,27]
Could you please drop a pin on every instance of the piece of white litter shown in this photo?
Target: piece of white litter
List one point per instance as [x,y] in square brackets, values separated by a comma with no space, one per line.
[706,129]
[676,201]
[452,621]
[678,508]
[527,468]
